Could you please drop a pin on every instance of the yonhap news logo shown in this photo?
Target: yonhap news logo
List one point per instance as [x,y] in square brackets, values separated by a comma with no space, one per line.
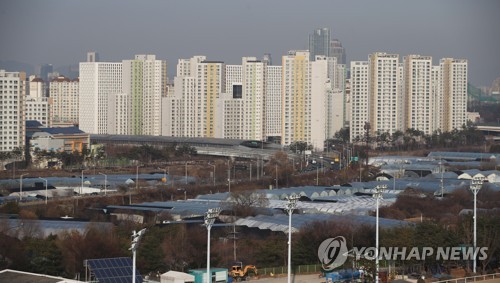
[332,253]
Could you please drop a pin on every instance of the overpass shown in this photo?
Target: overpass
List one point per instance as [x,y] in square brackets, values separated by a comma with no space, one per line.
[492,132]
[205,146]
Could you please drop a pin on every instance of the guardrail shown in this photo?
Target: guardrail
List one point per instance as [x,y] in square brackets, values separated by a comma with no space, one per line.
[312,268]
[472,278]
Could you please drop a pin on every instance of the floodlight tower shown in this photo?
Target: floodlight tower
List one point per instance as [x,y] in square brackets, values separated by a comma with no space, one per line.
[136,237]
[378,196]
[210,217]
[476,184]
[290,207]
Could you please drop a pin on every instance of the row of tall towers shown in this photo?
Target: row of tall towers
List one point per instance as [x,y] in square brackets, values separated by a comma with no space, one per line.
[389,95]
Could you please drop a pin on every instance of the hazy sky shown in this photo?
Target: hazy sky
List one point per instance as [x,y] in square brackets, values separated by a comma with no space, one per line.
[60,32]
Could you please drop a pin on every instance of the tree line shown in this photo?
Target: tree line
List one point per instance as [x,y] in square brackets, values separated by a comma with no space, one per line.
[183,246]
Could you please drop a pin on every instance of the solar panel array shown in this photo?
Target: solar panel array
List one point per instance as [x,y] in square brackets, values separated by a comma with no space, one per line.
[113,270]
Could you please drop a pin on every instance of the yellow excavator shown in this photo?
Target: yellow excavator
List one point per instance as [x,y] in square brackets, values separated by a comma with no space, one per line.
[240,273]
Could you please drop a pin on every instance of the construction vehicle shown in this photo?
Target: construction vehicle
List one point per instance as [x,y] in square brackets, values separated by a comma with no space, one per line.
[240,273]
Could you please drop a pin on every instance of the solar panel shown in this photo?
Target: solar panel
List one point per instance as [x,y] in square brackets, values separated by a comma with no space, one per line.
[113,270]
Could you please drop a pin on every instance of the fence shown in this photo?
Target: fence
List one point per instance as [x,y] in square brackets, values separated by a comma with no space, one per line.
[295,269]
[472,278]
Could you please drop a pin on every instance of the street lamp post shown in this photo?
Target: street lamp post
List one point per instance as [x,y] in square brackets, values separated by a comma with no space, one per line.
[213,165]
[276,176]
[317,176]
[21,186]
[210,217]
[105,183]
[186,173]
[136,237]
[81,188]
[46,190]
[229,175]
[378,196]
[290,207]
[476,184]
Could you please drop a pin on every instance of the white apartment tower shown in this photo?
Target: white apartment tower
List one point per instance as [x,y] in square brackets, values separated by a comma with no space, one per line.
[64,100]
[38,109]
[231,105]
[273,79]
[98,80]
[253,98]
[436,86]
[191,111]
[37,105]
[118,114]
[412,95]
[321,88]
[180,107]
[359,93]
[385,96]
[144,81]
[296,98]
[453,91]
[12,118]
[419,112]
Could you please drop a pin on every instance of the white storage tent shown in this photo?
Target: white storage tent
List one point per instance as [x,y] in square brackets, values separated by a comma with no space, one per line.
[176,277]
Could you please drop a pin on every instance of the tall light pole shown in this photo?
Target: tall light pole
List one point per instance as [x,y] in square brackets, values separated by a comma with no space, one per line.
[105,183]
[210,217]
[378,196]
[276,176]
[290,207]
[186,172]
[317,176]
[81,188]
[21,186]
[46,190]
[213,165]
[229,175]
[476,184]
[136,237]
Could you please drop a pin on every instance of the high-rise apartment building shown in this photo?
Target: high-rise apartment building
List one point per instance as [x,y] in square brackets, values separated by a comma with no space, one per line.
[296,98]
[38,109]
[391,96]
[359,98]
[319,43]
[321,89]
[253,92]
[144,81]
[98,80]
[273,80]
[419,112]
[192,110]
[36,102]
[12,117]
[385,96]
[63,96]
[36,87]
[337,51]
[453,92]
[209,85]
[118,114]
[180,109]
